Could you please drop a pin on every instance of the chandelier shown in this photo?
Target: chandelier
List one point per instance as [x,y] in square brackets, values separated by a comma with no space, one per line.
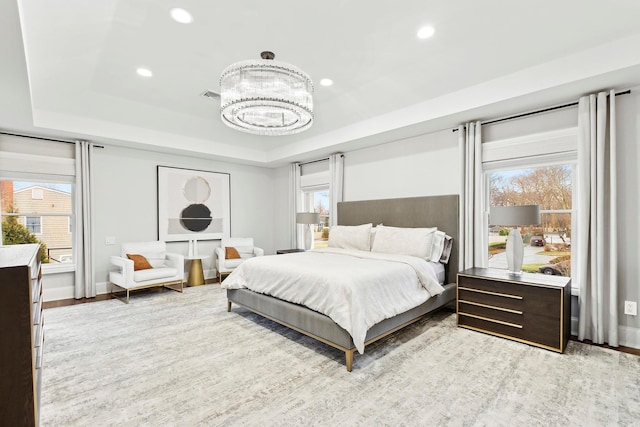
[266,97]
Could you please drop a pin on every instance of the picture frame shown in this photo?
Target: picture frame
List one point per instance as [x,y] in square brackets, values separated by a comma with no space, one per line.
[193,204]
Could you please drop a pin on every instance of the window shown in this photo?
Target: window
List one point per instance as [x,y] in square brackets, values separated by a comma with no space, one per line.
[317,200]
[34,224]
[547,245]
[46,219]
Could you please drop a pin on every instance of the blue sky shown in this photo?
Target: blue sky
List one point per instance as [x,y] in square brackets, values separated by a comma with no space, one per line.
[19,185]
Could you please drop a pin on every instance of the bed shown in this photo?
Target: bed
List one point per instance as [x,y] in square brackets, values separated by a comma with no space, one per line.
[416,212]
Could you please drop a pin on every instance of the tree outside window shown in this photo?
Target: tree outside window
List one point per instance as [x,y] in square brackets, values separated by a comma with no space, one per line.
[548,245]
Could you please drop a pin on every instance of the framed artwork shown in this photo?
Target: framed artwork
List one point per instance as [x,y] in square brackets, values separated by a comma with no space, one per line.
[193,205]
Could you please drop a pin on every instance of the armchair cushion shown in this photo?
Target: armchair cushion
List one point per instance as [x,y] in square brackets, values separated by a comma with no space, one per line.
[139,262]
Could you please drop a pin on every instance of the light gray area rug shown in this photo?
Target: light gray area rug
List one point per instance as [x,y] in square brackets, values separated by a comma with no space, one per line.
[182,360]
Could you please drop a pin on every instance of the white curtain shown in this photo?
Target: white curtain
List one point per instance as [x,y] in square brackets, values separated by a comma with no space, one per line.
[471,196]
[596,228]
[85,284]
[336,185]
[295,205]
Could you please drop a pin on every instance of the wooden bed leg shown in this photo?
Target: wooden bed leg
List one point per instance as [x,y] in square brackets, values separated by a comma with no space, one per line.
[348,355]
[228,305]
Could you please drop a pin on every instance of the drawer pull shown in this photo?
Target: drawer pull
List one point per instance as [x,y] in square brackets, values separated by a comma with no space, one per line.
[508,310]
[513,325]
[491,293]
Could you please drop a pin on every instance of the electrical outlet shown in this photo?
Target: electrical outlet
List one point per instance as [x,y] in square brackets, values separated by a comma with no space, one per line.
[110,240]
[631,307]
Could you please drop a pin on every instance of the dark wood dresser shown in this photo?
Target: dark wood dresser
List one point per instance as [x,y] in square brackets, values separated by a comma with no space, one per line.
[530,308]
[21,335]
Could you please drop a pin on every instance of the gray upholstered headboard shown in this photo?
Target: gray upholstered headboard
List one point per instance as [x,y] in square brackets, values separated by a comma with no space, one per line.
[429,211]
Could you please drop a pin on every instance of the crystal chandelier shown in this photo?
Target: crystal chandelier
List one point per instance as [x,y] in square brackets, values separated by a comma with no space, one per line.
[266,97]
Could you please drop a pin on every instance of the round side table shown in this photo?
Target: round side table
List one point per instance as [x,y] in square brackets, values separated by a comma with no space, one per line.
[196,275]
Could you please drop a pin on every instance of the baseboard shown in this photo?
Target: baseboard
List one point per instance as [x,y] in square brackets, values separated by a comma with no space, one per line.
[59,293]
[629,337]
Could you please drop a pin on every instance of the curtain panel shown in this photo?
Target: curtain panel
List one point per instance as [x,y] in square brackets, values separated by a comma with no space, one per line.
[85,283]
[596,228]
[471,196]
[336,185]
[295,205]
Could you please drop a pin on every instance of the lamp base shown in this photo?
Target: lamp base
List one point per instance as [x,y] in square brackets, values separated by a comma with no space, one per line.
[308,238]
[515,252]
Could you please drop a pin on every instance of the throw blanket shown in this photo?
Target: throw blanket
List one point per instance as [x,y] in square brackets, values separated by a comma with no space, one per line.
[356,289]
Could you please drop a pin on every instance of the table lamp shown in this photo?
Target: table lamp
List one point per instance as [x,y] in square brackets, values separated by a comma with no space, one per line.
[514,216]
[308,218]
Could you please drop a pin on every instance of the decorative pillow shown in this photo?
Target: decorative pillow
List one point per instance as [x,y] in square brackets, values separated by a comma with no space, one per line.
[446,251]
[350,237]
[139,262]
[231,253]
[404,241]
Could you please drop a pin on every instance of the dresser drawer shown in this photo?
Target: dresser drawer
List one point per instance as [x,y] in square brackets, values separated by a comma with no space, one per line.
[540,300]
[528,308]
[532,329]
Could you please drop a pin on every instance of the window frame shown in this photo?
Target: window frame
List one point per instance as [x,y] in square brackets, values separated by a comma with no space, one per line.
[26,223]
[559,147]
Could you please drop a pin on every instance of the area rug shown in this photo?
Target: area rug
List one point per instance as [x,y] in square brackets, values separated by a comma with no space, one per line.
[172,359]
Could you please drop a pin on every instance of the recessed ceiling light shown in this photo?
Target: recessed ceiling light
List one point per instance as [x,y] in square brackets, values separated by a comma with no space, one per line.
[425,32]
[326,82]
[144,72]
[181,15]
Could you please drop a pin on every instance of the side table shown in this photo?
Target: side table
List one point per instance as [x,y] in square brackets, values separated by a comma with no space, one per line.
[288,251]
[196,274]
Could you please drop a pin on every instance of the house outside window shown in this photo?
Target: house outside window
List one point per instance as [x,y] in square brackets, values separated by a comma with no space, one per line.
[43,209]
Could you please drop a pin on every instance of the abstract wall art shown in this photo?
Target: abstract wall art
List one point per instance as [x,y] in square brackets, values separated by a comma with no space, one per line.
[193,204]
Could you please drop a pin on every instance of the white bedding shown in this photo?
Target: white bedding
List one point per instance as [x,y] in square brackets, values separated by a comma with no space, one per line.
[357,289]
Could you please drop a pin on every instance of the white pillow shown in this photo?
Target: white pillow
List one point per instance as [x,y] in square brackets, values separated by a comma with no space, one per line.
[350,237]
[404,241]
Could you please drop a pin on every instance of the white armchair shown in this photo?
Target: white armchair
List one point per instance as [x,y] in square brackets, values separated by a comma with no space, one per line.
[167,268]
[245,248]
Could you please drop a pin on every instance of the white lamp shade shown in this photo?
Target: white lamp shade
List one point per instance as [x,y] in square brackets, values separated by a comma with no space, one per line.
[514,215]
[307,218]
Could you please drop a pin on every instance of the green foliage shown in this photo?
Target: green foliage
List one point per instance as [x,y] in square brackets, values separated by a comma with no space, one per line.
[504,232]
[325,233]
[17,234]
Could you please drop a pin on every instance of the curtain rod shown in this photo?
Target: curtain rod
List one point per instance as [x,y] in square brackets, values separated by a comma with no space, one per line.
[544,110]
[318,160]
[43,138]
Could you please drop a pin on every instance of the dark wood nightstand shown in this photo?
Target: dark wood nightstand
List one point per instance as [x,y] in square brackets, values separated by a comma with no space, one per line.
[530,308]
[288,251]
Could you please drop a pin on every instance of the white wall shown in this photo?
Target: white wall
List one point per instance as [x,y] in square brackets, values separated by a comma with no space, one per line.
[628,136]
[420,166]
[125,207]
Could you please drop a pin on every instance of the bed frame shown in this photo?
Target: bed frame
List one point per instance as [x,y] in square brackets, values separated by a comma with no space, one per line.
[432,211]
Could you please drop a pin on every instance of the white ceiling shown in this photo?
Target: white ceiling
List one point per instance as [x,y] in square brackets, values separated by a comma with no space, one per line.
[68,67]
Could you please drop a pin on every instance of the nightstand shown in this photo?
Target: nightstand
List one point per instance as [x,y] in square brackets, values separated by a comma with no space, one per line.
[288,251]
[531,308]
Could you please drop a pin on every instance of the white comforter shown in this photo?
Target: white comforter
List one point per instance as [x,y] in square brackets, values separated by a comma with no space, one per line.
[356,289]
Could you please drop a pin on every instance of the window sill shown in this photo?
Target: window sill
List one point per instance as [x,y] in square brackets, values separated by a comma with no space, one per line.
[58,268]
